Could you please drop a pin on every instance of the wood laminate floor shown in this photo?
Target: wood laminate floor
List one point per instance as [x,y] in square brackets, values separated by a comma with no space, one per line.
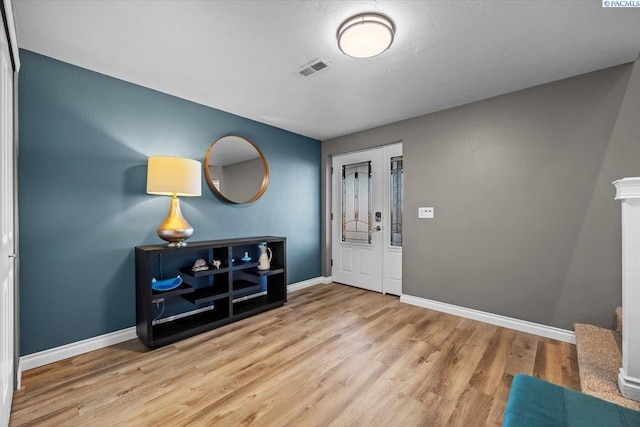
[334,356]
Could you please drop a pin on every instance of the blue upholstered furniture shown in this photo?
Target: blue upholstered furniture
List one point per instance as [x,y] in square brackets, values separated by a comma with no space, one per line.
[533,402]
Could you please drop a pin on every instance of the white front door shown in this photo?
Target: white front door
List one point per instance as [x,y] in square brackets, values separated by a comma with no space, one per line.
[365,249]
[7,256]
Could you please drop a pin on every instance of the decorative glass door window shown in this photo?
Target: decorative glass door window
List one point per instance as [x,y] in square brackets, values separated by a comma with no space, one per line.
[356,202]
[396,201]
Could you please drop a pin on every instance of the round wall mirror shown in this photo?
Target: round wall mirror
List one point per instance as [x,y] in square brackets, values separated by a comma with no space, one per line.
[236,169]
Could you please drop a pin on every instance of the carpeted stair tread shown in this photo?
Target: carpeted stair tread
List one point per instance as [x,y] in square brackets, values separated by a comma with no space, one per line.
[599,361]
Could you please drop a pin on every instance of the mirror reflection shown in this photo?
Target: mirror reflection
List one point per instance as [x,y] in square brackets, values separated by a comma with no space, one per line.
[236,169]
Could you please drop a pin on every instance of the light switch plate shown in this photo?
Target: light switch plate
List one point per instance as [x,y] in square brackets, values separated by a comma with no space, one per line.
[425,212]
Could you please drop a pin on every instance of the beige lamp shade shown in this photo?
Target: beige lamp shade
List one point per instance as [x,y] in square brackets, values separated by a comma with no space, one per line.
[167,176]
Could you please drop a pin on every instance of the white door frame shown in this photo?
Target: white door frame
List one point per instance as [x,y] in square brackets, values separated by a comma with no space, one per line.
[9,66]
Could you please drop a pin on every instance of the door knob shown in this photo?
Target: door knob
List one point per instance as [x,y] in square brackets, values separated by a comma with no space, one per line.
[378,228]
[13,256]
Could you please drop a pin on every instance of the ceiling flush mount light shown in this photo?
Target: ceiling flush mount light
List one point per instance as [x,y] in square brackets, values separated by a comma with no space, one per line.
[366,35]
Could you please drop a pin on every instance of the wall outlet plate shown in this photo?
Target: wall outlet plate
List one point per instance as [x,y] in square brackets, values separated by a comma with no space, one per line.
[425,212]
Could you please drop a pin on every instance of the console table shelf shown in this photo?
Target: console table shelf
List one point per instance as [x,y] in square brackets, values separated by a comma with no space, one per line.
[274,270]
[186,271]
[170,332]
[210,298]
[245,287]
[204,295]
[180,290]
[241,265]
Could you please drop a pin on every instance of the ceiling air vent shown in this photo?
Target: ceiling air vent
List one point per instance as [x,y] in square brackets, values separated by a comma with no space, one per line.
[314,67]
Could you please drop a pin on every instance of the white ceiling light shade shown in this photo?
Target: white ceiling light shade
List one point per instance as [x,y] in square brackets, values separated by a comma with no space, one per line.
[366,35]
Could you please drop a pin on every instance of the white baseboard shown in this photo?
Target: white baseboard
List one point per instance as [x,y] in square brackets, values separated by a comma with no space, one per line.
[629,386]
[56,354]
[493,319]
[308,283]
[19,376]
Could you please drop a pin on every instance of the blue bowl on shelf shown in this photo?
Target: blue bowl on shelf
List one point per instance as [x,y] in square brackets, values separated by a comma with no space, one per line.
[167,284]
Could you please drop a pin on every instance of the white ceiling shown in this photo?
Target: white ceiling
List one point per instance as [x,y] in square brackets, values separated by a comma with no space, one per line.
[243,56]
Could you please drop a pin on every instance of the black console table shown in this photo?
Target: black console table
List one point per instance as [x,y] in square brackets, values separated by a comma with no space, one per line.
[210,298]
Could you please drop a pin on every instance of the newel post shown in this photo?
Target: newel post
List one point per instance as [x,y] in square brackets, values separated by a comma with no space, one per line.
[628,192]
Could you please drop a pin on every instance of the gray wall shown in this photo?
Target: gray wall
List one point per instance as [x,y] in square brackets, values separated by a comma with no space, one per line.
[525,222]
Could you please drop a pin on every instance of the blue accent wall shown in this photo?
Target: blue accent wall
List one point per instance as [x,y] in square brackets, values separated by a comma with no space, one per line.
[84,142]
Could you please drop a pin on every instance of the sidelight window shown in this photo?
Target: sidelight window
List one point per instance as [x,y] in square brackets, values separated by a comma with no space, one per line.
[396,201]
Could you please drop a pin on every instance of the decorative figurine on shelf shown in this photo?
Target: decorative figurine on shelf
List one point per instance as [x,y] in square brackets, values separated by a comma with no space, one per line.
[216,263]
[246,257]
[200,265]
[264,260]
